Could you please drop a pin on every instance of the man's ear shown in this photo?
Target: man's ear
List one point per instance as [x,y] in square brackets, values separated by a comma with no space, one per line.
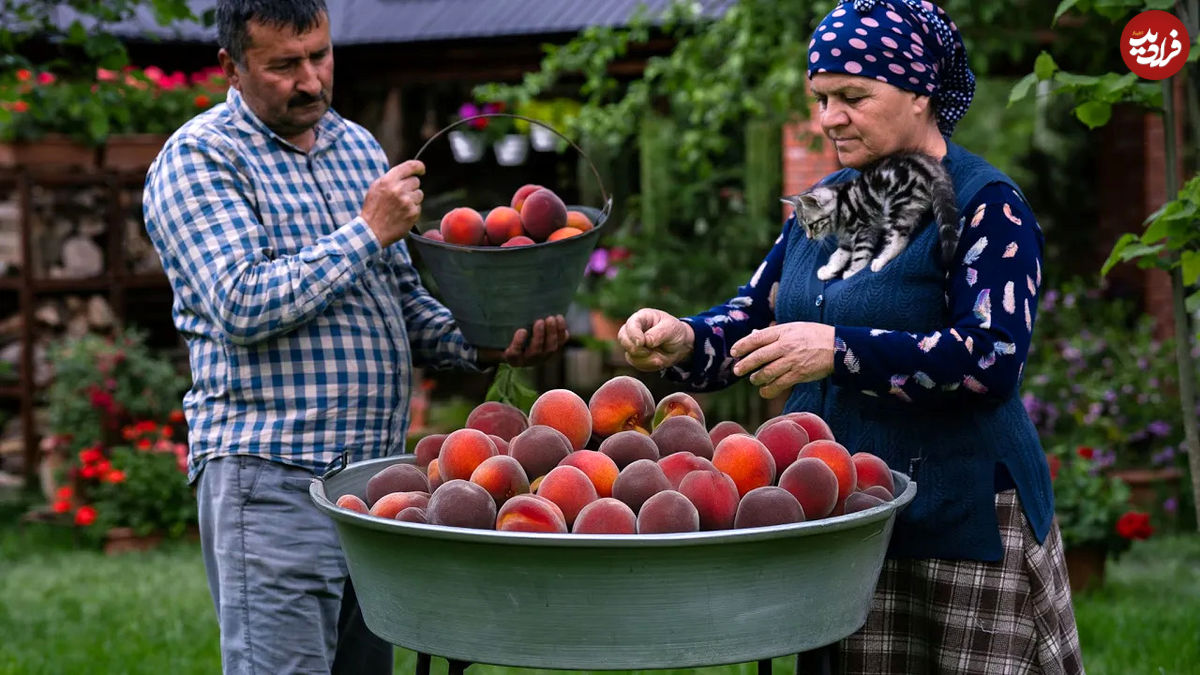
[229,68]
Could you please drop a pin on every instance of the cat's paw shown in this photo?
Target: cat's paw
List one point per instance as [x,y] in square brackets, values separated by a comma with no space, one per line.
[825,274]
[850,272]
[878,264]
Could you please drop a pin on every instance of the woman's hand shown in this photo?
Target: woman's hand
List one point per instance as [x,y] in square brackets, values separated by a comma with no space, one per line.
[653,339]
[784,355]
[549,335]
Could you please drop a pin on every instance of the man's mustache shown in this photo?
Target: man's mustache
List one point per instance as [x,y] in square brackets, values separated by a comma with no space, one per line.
[305,99]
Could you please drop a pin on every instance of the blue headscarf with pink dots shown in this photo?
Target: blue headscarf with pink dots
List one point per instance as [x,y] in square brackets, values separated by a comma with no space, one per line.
[910,44]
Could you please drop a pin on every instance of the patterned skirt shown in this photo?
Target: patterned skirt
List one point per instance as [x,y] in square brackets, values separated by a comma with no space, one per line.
[965,616]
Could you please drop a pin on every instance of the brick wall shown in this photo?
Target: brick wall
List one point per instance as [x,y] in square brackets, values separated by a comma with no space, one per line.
[805,162]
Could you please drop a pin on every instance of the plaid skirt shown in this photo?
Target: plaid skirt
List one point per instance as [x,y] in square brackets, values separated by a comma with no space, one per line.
[966,616]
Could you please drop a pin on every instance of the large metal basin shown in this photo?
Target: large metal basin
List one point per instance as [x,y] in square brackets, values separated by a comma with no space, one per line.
[597,602]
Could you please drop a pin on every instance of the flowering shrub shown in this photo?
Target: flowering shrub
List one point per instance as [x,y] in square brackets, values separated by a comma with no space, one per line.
[492,128]
[1092,508]
[33,104]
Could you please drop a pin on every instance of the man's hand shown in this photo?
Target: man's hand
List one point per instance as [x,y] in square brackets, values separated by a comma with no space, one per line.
[653,339]
[549,336]
[393,202]
[784,355]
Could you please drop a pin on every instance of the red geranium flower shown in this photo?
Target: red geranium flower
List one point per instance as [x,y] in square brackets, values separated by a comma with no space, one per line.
[23,75]
[90,455]
[175,417]
[1085,452]
[64,492]
[20,106]
[1055,465]
[144,444]
[61,506]
[115,476]
[86,515]
[46,78]
[1135,525]
[202,101]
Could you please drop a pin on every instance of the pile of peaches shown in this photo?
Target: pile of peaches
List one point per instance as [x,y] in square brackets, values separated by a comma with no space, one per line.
[651,468]
[535,214]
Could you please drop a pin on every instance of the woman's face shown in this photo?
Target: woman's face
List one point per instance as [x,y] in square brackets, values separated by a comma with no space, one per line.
[868,119]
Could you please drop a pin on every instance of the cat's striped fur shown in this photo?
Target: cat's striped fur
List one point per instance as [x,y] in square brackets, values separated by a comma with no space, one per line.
[875,214]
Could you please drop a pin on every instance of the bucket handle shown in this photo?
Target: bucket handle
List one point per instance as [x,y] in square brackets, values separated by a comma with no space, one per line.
[606,211]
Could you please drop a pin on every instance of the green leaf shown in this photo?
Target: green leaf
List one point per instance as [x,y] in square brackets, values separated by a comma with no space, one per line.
[1115,256]
[1165,5]
[1191,266]
[1062,9]
[1021,88]
[1193,303]
[1045,67]
[1073,79]
[1094,113]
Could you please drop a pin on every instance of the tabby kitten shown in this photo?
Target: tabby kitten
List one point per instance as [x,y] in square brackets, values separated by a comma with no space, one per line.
[874,215]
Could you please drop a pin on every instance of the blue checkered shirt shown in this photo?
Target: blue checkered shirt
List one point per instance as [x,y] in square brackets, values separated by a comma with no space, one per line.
[301,328]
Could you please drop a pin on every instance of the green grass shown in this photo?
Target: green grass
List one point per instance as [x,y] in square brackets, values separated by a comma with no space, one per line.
[66,609]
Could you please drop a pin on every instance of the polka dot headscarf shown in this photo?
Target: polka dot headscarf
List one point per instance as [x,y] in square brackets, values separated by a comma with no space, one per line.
[910,44]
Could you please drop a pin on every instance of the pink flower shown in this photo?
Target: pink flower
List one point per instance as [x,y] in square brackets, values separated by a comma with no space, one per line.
[154,74]
[46,78]
[105,75]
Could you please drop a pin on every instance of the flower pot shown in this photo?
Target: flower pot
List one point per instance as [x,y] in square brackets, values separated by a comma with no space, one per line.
[132,152]
[53,151]
[123,540]
[1148,487]
[465,146]
[604,327]
[511,150]
[542,139]
[1085,566]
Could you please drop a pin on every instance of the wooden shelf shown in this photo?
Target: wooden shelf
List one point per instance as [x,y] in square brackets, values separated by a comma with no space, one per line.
[10,392]
[88,284]
[147,280]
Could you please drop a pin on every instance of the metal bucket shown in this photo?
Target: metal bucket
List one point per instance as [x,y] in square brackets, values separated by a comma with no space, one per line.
[493,291]
[601,602]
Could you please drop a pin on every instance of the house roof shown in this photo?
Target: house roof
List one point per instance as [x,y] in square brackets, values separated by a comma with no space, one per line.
[396,21]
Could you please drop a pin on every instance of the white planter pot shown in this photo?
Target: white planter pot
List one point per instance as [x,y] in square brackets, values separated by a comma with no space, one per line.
[542,139]
[467,147]
[511,150]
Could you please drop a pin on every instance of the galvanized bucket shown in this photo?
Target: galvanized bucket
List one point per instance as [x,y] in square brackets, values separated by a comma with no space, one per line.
[601,602]
[493,291]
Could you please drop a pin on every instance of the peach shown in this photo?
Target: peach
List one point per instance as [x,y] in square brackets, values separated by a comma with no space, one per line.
[579,221]
[518,198]
[435,235]
[463,226]
[353,503]
[435,475]
[521,240]
[861,501]
[813,425]
[606,516]
[542,213]
[746,460]
[715,497]
[391,504]
[570,488]
[461,503]
[500,443]
[499,419]
[428,448]
[768,505]
[597,466]
[396,478]
[626,447]
[620,404]
[564,233]
[502,223]
[536,483]
[677,403]
[680,464]
[813,484]
[722,429]
[564,410]
[638,482]
[462,451]
[526,513]
[539,449]
[502,476]
[412,514]
[871,470]
[783,441]
[838,458]
[668,511]
[880,492]
[682,434]
[552,505]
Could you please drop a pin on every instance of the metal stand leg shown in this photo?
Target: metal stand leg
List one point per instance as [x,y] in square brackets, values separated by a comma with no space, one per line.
[818,661]
[423,660]
[764,667]
[456,667]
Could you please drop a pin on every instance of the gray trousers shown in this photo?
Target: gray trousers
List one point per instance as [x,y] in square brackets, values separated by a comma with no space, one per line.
[278,576]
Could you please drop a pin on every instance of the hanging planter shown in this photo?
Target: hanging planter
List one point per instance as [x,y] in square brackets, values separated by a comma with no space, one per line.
[542,139]
[52,151]
[132,152]
[467,147]
[511,149]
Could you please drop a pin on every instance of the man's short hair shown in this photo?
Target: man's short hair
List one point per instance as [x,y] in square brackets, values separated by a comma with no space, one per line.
[234,15]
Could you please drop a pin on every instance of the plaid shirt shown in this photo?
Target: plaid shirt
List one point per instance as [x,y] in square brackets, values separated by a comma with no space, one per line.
[301,329]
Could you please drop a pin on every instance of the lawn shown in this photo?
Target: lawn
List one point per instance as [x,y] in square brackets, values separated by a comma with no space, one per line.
[64,609]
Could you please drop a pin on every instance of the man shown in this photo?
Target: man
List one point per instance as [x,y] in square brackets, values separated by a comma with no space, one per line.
[279,225]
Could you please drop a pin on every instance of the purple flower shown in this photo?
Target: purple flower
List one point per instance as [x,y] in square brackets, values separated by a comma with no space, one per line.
[1159,428]
[598,261]
[1163,456]
[1093,413]
[1105,458]
[467,110]
[1110,396]
[1069,300]
[1050,299]
[1070,353]
[1142,363]
[1170,505]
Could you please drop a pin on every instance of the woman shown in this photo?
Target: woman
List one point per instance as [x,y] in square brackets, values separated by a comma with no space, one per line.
[911,363]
